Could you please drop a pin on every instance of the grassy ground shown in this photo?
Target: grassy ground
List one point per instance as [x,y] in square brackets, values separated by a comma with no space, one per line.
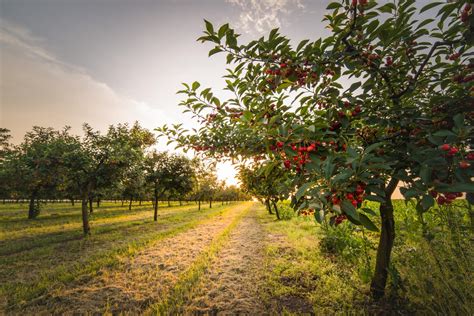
[40,255]
[327,270]
[306,267]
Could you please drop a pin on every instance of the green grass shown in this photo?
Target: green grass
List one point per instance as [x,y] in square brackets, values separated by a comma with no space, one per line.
[187,280]
[327,270]
[45,262]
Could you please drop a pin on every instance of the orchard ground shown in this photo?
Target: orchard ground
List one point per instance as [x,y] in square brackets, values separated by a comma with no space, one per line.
[233,258]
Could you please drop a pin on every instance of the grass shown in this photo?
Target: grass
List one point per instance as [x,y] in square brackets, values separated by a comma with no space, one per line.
[187,281]
[327,270]
[60,257]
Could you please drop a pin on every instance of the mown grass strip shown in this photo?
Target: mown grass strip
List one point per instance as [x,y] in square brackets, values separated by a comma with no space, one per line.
[187,280]
[73,232]
[19,294]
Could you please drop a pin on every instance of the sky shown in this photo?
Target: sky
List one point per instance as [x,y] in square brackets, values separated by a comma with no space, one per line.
[66,62]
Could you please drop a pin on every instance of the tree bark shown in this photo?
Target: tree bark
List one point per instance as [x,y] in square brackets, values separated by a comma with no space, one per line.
[140,202]
[210,203]
[384,250]
[32,212]
[91,208]
[85,217]
[199,205]
[98,203]
[276,210]
[122,202]
[169,203]
[155,216]
[72,202]
[269,208]
[130,204]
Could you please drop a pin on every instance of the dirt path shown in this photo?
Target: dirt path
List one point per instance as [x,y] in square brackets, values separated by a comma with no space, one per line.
[135,283]
[232,284]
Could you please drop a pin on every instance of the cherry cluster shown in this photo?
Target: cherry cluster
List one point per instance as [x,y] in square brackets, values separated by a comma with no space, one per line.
[445,198]
[356,198]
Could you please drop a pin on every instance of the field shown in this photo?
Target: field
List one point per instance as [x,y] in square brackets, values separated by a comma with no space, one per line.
[231,258]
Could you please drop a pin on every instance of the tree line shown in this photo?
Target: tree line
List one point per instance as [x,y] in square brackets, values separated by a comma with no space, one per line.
[118,164]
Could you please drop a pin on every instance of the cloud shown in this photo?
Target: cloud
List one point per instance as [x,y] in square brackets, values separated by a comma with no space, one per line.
[263,15]
[37,88]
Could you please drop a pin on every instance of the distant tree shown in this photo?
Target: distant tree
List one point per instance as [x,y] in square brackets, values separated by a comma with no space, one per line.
[102,160]
[269,187]
[37,165]
[206,184]
[168,174]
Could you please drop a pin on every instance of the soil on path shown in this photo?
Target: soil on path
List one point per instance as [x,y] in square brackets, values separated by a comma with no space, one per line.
[146,278]
[233,282]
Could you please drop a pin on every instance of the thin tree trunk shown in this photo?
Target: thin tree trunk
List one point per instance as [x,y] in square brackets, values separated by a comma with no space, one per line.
[155,217]
[98,203]
[130,204]
[72,202]
[169,203]
[85,217]
[199,205]
[269,208]
[122,202]
[140,202]
[384,250]
[32,212]
[91,208]
[276,210]
[180,203]
[210,203]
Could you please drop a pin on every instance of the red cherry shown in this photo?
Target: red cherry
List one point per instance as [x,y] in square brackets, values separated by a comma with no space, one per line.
[354,203]
[445,147]
[433,193]
[350,196]
[310,148]
[451,196]
[464,164]
[470,156]
[280,144]
[287,164]
[354,3]
[453,151]
[441,200]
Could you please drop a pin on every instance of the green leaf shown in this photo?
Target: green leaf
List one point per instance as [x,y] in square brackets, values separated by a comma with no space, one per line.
[444,133]
[456,187]
[387,8]
[369,211]
[426,202]
[319,216]
[374,198]
[222,30]
[302,44]
[215,50]
[354,86]
[209,26]
[196,85]
[302,190]
[349,209]
[430,6]
[372,147]
[334,5]
[367,223]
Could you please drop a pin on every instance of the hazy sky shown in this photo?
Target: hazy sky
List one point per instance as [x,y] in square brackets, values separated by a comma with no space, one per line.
[66,62]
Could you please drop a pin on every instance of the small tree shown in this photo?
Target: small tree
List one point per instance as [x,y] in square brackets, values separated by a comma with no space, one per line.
[101,160]
[168,174]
